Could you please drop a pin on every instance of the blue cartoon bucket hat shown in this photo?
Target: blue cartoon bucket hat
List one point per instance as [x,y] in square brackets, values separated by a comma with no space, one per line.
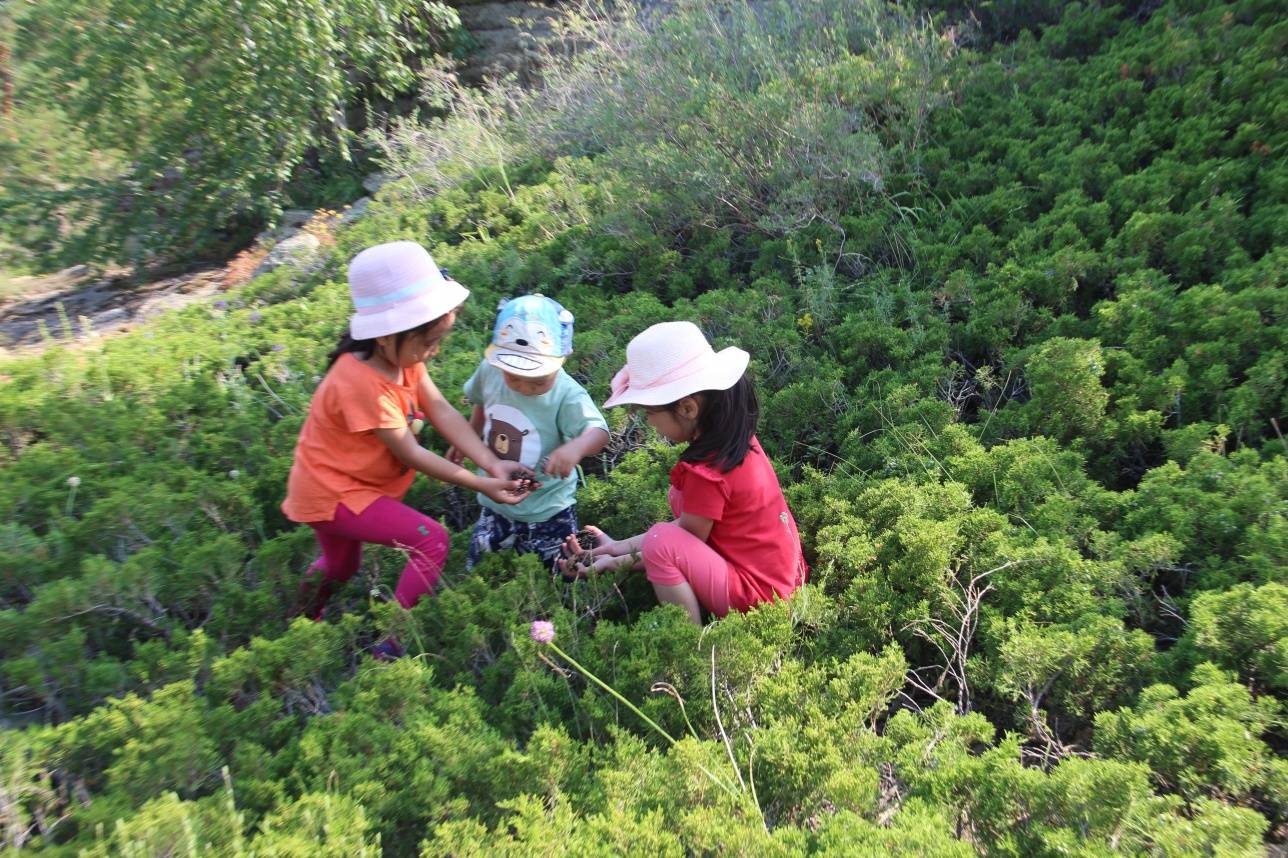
[532,337]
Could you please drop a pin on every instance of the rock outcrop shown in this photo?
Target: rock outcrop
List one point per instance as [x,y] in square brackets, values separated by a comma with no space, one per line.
[509,35]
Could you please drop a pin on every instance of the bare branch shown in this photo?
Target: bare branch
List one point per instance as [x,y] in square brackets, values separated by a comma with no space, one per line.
[952,635]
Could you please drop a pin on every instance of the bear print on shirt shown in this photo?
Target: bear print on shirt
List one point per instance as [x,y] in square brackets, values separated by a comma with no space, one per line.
[512,436]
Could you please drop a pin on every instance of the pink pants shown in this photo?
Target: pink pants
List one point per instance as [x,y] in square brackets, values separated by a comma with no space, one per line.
[384,522]
[673,556]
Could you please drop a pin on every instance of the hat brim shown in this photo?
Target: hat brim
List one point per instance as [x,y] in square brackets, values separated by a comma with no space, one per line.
[431,305]
[720,373]
[525,364]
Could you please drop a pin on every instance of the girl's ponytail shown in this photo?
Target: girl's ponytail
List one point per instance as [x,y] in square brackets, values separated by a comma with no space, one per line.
[349,344]
[727,421]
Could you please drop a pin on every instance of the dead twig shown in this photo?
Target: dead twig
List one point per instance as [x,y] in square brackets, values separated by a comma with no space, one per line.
[952,636]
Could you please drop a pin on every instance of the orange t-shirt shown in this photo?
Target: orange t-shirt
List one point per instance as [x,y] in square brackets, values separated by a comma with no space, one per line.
[338,458]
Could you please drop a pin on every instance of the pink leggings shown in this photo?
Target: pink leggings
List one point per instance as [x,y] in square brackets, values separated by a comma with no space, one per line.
[673,556]
[385,522]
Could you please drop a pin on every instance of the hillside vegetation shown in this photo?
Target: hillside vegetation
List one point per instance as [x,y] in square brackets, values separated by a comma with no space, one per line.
[1014,286]
[148,134]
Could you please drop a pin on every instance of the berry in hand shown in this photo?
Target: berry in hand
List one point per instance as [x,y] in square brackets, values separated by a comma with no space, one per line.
[526,482]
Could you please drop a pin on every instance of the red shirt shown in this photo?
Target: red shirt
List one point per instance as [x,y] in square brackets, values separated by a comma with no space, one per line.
[753,528]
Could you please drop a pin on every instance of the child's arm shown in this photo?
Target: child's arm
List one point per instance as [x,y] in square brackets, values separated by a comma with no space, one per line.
[564,458]
[452,426]
[477,422]
[402,443]
[609,553]
[695,524]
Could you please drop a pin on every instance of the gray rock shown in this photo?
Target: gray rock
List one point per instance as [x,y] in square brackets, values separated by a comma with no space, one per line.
[510,35]
[287,227]
[272,236]
[295,218]
[375,182]
[109,318]
[76,272]
[299,251]
[504,15]
[355,210]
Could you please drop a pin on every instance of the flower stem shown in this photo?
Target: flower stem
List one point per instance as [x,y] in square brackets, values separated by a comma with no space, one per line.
[595,679]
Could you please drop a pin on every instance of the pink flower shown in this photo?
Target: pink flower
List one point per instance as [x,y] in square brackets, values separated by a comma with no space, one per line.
[542,631]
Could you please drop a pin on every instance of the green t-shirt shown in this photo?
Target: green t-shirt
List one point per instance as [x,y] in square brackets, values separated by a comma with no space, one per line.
[525,429]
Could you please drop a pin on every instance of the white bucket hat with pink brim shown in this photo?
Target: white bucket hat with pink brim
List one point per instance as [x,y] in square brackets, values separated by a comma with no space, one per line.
[670,361]
[396,287]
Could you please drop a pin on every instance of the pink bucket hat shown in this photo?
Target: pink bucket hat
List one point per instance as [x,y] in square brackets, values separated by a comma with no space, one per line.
[397,287]
[671,360]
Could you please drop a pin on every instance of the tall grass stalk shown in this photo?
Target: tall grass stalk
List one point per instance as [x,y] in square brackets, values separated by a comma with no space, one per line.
[764,118]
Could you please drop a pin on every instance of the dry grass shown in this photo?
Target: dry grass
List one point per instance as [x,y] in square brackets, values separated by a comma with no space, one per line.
[241,268]
[322,226]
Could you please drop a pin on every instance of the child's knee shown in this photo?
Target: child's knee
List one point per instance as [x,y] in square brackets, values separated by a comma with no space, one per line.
[657,542]
[659,554]
[431,537]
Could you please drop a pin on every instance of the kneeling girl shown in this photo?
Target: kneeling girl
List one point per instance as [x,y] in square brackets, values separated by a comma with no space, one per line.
[733,543]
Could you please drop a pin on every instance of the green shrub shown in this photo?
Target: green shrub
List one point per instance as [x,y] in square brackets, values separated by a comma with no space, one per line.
[1207,742]
[1244,629]
[1021,410]
[208,112]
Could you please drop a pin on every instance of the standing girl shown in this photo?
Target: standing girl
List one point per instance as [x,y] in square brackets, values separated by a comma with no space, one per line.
[733,543]
[358,450]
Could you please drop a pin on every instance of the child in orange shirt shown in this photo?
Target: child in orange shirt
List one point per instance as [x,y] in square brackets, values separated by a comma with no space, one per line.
[358,453]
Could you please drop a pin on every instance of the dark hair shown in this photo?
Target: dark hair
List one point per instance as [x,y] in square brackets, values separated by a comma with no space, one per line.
[726,422]
[366,347]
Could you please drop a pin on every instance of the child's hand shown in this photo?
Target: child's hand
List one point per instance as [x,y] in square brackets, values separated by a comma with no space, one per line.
[523,477]
[507,470]
[572,567]
[561,462]
[507,491]
[602,543]
[591,550]
[454,455]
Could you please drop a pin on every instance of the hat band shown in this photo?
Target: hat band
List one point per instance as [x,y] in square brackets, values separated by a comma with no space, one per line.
[414,289]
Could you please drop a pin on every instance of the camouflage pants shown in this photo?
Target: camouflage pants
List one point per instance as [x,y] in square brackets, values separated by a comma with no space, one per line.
[495,532]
